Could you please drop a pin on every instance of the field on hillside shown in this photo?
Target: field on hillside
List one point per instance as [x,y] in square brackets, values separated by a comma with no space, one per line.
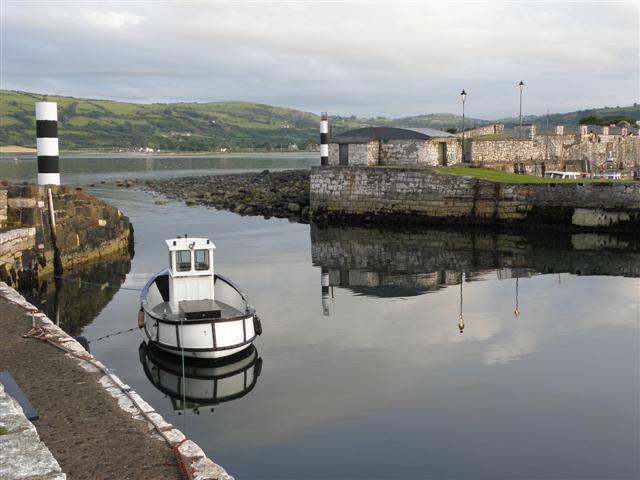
[89,124]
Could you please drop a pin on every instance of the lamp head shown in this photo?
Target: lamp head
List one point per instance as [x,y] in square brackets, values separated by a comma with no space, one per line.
[463,95]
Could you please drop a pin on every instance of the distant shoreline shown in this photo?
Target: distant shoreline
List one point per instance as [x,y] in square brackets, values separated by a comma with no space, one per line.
[16,149]
[11,149]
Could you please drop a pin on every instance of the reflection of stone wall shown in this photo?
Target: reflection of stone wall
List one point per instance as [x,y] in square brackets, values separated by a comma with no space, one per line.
[422,194]
[76,301]
[87,229]
[437,257]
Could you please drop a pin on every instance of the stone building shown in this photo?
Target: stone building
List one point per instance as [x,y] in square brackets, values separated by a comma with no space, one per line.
[394,146]
[588,149]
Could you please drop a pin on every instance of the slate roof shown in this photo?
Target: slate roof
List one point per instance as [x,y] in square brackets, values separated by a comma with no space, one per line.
[367,134]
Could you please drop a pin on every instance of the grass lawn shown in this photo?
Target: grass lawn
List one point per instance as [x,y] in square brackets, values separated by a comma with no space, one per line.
[507,177]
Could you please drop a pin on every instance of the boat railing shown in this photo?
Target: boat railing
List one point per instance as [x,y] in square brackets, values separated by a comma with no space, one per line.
[229,293]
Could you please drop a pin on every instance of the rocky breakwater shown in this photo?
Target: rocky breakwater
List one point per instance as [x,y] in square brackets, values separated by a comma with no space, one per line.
[84,230]
[270,194]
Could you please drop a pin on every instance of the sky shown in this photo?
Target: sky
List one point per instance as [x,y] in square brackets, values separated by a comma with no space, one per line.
[368,59]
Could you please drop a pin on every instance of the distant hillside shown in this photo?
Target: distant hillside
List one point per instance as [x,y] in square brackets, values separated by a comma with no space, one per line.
[106,125]
[86,123]
[573,118]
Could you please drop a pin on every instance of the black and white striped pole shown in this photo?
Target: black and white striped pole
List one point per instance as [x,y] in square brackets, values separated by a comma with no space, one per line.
[324,282]
[324,139]
[47,143]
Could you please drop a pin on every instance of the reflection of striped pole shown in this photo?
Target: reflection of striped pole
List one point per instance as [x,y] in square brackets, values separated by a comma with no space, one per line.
[47,143]
[324,139]
[324,281]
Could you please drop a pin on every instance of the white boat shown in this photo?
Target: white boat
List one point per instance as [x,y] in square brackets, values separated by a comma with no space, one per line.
[561,174]
[188,310]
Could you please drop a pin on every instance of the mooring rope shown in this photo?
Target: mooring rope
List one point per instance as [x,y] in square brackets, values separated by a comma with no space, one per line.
[113,334]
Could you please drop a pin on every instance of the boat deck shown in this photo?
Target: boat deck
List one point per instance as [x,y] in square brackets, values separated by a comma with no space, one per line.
[163,310]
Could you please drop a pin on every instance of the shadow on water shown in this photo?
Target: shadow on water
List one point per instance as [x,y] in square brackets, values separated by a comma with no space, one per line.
[75,300]
[393,263]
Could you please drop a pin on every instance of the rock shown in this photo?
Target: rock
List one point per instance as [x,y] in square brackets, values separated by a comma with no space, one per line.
[280,194]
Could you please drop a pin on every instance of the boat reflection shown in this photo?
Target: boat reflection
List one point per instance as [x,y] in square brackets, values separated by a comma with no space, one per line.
[194,383]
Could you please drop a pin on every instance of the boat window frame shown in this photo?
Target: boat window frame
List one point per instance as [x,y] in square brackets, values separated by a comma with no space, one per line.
[196,264]
[180,265]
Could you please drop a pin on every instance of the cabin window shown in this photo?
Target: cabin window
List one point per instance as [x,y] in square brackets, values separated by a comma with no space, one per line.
[183,260]
[202,259]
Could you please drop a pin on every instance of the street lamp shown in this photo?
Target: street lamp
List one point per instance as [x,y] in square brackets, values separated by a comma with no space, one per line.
[521,85]
[463,96]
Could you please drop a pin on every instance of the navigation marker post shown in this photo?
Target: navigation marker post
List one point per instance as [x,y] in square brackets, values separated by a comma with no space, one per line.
[47,143]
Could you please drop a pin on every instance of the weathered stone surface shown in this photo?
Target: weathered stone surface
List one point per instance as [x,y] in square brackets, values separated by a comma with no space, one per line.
[22,454]
[86,229]
[417,194]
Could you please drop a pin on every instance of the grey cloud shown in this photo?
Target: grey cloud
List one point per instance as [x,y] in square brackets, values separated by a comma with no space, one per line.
[376,59]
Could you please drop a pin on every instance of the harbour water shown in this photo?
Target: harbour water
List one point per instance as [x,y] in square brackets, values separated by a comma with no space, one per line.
[376,380]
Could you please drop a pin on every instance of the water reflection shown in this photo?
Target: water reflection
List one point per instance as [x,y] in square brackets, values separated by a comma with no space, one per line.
[392,263]
[388,263]
[192,384]
[76,300]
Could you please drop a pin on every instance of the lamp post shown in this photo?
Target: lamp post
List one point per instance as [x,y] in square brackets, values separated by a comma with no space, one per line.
[463,96]
[521,85]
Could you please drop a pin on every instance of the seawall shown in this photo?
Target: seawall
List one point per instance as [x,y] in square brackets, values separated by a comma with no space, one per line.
[95,425]
[86,229]
[414,195]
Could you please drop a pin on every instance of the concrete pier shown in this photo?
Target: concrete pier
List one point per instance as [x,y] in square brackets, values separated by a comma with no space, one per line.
[94,425]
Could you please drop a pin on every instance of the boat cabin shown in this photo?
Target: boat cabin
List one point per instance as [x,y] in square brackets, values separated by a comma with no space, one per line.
[191,275]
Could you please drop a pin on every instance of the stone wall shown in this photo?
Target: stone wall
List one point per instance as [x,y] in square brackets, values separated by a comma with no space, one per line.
[400,152]
[419,194]
[557,150]
[87,229]
[496,129]
[358,154]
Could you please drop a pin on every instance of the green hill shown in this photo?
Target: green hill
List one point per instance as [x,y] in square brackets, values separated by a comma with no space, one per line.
[87,124]
[106,125]
[573,118]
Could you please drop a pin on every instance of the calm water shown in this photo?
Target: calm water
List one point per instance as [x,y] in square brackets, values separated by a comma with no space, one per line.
[377,381]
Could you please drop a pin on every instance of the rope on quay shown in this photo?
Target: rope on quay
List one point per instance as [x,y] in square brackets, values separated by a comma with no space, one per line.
[76,279]
[40,334]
